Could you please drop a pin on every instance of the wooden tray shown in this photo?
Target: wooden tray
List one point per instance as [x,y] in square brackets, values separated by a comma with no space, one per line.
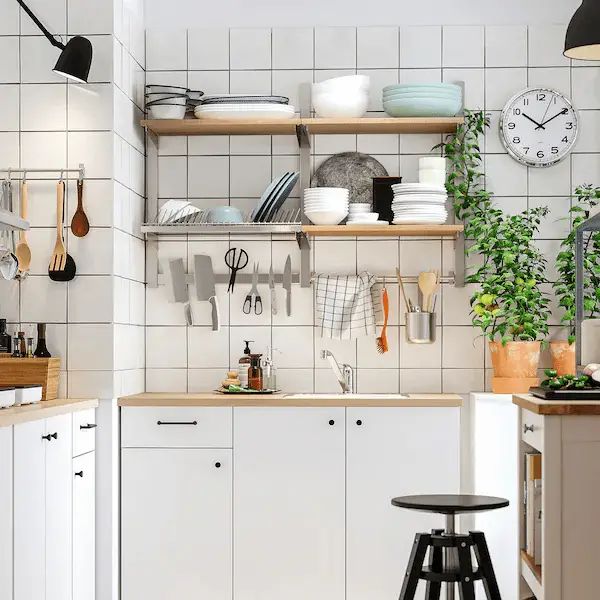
[29,371]
[548,394]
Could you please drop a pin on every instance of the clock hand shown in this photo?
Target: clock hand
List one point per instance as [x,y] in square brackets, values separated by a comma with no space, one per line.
[564,111]
[535,122]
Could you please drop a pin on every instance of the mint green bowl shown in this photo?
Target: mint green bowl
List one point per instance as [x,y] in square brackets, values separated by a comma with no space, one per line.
[405,95]
[422,107]
[423,87]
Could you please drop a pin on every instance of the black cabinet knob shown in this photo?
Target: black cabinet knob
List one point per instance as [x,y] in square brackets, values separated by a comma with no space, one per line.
[331,422]
[79,474]
[49,436]
[359,422]
[218,465]
[88,426]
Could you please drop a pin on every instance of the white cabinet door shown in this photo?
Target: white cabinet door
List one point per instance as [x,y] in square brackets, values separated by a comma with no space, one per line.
[6,513]
[289,503]
[393,452]
[176,524]
[59,514]
[84,526]
[29,510]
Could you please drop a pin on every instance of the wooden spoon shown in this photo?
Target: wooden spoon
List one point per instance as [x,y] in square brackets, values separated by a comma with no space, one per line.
[80,224]
[23,251]
[428,284]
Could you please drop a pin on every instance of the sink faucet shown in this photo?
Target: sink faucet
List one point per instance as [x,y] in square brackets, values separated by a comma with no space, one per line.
[344,374]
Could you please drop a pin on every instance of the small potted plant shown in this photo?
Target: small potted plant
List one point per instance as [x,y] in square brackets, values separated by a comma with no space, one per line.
[563,351]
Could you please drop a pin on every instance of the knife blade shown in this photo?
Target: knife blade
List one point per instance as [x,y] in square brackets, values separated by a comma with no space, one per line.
[287,284]
[272,290]
[205,286]
[180,288]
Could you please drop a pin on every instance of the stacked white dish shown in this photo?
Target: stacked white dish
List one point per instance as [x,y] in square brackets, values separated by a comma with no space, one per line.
[360,214]
[419,204]
[238,106]
[341,97]
[326,205]
[166,101]
[432,170]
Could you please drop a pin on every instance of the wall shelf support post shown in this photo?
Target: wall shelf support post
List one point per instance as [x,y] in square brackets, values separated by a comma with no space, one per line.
[152,207]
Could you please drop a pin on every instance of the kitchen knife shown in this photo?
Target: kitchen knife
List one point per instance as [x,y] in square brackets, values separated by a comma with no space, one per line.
[180,288]
[272,290]
[205,285]
[287,284]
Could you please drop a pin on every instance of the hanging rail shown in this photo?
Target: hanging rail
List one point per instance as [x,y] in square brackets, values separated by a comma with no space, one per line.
[25,172]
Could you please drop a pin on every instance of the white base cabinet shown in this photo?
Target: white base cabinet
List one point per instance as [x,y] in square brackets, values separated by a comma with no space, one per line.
[301,502]
[6,513]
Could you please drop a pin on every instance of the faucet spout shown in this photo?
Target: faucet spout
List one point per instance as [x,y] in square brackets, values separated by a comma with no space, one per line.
[344,374]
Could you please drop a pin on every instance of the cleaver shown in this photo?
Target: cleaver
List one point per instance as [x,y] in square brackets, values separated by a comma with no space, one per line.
[205,285]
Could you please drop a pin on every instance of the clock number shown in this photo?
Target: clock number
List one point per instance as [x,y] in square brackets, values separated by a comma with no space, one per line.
[526,149]
[565,140]
[511,125]
[516,111]
[526,101]
[569,125]
[516,140]
[540,154]
[541,97]
[554,150]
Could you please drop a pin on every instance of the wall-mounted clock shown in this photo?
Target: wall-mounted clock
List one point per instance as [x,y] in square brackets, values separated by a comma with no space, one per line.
[539,127]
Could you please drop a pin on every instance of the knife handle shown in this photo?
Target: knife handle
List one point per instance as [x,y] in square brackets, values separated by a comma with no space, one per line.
[288,303]
[273,302]
[215,314]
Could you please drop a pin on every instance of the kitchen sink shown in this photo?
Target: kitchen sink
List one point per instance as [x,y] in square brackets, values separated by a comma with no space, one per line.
[347,396]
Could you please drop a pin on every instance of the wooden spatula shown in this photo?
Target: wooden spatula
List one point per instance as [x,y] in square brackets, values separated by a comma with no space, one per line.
[23,251]
[58,260]
[428,284]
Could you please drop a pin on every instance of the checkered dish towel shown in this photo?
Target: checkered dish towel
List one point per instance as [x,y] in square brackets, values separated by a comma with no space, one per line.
[345,309]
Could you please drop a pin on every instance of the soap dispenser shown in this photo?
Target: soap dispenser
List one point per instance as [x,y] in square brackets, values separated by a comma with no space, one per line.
[244,365]
[269,371]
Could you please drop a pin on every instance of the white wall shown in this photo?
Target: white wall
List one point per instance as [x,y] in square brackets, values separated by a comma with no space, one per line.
[252,13]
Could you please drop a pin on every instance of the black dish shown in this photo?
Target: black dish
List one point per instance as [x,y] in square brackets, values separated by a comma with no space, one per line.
[572,394]
[246,100]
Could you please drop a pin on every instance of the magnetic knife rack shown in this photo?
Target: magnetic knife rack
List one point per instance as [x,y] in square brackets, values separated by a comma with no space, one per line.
[302,127]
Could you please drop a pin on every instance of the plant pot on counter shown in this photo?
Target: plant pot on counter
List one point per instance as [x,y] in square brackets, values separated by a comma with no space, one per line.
[515,366]
[563,358]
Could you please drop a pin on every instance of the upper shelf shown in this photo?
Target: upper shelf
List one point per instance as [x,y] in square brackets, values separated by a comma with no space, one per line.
[9,220]
[315,125]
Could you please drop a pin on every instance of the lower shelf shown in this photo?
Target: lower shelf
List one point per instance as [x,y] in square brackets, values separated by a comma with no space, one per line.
[450,231]
[532,574]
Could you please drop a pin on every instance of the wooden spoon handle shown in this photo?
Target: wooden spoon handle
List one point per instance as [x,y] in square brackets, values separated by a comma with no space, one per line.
[24,206]
[60,200]
[79,194]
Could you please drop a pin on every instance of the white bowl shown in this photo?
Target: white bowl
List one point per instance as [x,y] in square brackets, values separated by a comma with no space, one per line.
[340,105]
[326,217]
[325,206]
[345,84]
[432,162]
[166,111]
[360,207]
[433,176]
[153,88]
[326,192]
[365,217]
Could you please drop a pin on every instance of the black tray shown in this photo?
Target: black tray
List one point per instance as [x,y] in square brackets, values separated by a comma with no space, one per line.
[548,394]
[223,391]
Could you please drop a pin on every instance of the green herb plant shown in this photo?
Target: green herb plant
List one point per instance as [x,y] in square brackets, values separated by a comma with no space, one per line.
[510,304]
[565,382]
[587,197]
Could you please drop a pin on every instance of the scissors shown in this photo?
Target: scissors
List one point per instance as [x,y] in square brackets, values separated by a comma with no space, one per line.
[253,298]
[235,265]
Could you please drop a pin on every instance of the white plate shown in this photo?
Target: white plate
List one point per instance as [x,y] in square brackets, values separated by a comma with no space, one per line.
[434,205]
[232,114]
[419,187]
[374,223]
[247,107]
[419,221]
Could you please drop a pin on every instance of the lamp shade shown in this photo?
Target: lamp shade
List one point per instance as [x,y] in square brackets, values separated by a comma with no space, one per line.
[75,60]
[583,34]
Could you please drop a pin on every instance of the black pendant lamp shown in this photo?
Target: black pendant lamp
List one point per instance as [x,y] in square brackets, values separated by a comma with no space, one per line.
[76,57]
[583,34]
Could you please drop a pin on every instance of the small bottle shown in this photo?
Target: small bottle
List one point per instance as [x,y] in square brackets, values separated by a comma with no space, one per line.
[269,371]
[16,347]
[5,339]
[41,351]
[29,347]
[244,365]
[255,373]
[22,344]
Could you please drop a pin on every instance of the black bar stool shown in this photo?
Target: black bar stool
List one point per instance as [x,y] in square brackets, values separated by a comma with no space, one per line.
[450,552]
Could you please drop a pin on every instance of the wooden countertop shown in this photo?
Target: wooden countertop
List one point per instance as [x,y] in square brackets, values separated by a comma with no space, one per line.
[365,400]
[41,410]
[557,407]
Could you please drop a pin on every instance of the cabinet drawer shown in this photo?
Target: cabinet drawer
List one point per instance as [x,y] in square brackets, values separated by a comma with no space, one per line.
[532,429]
[84,431]
[176,427]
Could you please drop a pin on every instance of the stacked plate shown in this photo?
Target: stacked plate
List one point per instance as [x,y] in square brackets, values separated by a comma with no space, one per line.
[326,205]
[360,214]
[419,204]
[170,101]
[422,100]
[244,106]
[273,197]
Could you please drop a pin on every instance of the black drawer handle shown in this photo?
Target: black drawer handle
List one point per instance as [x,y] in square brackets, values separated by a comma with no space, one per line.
[527,428]
[331,422]
[79,474]
[359,422]
[50,436]
[88,426]
[177,422]
[218,465]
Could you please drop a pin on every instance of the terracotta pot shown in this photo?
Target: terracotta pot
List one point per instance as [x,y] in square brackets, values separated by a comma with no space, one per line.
[563,357]
[515,359]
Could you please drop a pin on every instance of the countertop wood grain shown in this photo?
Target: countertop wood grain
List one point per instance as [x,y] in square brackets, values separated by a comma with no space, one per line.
[41,410]
[557,407]
[364,400]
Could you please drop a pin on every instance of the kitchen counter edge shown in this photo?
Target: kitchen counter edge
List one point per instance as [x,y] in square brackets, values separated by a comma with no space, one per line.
[16,415]
[283,400]
[557,407]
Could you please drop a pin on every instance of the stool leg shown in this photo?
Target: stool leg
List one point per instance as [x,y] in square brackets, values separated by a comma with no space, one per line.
[484,562]
[415,564]
[450,554]
[466,585]
[436,564]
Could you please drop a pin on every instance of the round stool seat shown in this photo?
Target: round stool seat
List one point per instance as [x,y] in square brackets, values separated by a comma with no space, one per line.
[450,504]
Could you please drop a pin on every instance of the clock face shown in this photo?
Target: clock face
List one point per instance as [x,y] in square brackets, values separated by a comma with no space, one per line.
[539,127]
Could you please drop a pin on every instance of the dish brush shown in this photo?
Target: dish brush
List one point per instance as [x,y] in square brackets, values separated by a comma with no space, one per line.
[382,342]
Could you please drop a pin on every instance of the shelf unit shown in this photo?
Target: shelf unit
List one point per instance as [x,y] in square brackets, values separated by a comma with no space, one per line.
[302,127]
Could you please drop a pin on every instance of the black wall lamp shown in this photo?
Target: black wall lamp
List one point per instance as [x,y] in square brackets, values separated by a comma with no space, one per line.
[76,57]
[583,34]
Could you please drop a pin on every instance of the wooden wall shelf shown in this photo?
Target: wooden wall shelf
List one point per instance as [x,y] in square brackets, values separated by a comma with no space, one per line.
[449,231]
[379,125]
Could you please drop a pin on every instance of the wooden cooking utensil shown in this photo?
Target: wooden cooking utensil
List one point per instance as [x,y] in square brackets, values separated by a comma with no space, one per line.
[80,224]
[62,266]
[382,341]
[407,302]
[428,284]
[23,251]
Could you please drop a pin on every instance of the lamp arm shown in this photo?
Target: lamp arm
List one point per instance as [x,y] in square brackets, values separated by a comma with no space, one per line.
[50,37]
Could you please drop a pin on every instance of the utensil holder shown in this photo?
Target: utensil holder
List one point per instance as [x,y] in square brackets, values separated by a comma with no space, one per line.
[420,327]
[30,371]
